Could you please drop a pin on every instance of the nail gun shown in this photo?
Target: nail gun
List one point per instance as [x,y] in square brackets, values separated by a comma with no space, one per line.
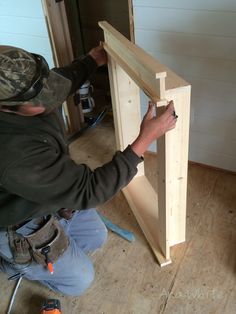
[51,306]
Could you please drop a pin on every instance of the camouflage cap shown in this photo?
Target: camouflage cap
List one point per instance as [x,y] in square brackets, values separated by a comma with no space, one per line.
[17,70]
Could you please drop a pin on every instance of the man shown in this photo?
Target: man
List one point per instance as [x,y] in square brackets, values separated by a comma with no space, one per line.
[40,238]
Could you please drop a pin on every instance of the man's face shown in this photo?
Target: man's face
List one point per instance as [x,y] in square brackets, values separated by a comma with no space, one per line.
[27,109]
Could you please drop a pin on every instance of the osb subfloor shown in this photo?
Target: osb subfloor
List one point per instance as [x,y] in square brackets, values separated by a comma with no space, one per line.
[202,276]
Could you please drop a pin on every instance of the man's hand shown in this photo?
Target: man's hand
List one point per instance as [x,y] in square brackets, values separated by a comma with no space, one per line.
[99,55]
[153,127]
[66,213]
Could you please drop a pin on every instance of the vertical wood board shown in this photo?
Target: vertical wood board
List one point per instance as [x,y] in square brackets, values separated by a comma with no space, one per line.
[143,201]
[177,165]
[57,22]
[125,104]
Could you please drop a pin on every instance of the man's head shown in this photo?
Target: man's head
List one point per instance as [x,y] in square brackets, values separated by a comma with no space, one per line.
[26,82]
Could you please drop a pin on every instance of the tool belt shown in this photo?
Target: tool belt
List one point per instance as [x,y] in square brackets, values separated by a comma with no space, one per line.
[44,245]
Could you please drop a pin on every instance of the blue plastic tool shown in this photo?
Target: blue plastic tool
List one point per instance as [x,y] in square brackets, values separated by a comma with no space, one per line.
[127,235]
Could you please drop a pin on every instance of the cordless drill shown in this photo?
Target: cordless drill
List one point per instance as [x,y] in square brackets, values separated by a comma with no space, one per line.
[51,306]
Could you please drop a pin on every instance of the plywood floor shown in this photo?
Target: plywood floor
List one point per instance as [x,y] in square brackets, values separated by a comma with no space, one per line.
[202,277]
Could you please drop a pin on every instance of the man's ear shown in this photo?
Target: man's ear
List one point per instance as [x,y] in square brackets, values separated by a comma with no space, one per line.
[25,110]
[30,110]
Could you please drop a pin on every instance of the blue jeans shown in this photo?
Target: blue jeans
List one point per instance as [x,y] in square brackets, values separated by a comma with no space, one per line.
[73,271]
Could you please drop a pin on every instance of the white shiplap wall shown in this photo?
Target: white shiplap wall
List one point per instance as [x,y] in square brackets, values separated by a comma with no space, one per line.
[22,24]
[197,39]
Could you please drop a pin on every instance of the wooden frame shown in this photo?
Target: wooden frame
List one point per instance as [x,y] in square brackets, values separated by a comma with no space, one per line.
[58,29]
[161,215]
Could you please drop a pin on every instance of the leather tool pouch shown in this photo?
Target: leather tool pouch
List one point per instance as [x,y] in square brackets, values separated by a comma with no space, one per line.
[50,235]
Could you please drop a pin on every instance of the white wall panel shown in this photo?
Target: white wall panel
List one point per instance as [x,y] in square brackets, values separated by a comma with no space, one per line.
[197,39]
[216,127]
[195,45]
[205,68]
[186,21]
[26,8]
[207,157]
[215,5]
[29,43]
[219,110]
[215,144]
[212,91]
[22,24]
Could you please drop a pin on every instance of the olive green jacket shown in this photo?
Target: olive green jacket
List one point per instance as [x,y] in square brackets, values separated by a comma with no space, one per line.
[37,175]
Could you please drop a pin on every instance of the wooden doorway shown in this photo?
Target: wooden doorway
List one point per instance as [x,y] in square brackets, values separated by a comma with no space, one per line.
[73,31]
[58,29]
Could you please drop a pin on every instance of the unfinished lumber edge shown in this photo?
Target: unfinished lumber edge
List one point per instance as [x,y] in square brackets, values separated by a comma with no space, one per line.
[142,199]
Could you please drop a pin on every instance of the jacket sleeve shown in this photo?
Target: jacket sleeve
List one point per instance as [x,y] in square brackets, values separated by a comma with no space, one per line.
[48,177]
[78,71]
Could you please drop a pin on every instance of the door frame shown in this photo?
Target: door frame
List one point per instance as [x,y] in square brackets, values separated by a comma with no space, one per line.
[60,38]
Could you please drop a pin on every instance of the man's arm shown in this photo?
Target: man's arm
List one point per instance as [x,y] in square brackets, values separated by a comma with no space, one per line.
[82,68]
[52,179]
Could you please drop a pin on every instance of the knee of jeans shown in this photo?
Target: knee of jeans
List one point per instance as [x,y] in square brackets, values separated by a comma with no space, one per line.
[102,236]
[80,282]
